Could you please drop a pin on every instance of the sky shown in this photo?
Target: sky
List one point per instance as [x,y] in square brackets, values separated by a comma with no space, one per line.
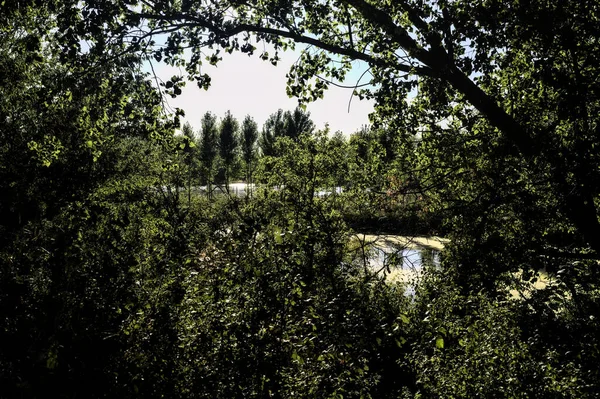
[250,86]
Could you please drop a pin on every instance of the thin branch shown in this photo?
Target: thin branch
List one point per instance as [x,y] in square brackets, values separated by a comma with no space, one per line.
[162,100]
[340,85]
[356,87]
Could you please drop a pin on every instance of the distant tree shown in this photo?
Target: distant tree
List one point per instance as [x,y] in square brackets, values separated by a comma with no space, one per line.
[188,132]
[274,127]
[208,146]
[249,137]
[228,143]
[338,139]
[338,148]
[284,124]
[361,139]
[365,160]
[297,123]
[388,138]
[190,154]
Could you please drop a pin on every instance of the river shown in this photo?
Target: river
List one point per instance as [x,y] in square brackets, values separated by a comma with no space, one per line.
[401,258]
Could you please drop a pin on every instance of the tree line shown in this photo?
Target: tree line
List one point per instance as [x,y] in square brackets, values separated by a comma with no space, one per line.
[228,150]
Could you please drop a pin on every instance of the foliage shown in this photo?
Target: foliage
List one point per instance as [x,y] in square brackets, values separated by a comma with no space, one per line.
[454,52]
[191,156]
[228,143]
[68,283]
[274,127]
[475,347]
[116,281]
[284,124]
[208,146]
[72,196]
[297,122]
[249,138]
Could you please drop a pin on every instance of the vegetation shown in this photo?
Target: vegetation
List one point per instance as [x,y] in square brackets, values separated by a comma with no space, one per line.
[120,278]
[249,146]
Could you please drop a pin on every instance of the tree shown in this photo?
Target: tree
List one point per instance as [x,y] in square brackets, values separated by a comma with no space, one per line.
[208,147]
[284,124]
[274,127]
[458,52]
[191,155]
[503,129]
[249,138]
[72,146]
[228,143]
[338,148]
[297,122]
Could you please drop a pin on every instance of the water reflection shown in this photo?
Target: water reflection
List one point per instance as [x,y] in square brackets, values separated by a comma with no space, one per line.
[410,259]
[403,265]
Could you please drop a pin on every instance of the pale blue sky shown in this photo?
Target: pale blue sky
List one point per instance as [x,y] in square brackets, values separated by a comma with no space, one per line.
[247,85]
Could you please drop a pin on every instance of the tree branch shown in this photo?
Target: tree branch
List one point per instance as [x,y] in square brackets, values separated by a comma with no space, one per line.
[237,29]
[446,71]
[397,33]
[580,209]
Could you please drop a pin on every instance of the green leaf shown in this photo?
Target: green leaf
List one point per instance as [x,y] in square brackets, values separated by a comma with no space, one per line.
[278,236]
[439,343]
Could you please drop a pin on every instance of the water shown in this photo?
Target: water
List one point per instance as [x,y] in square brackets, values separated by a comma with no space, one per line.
[235,189]
[242,189]
[409,259]
[403,265]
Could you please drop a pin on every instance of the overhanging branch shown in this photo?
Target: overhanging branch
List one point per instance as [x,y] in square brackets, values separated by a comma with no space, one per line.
[191,21]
